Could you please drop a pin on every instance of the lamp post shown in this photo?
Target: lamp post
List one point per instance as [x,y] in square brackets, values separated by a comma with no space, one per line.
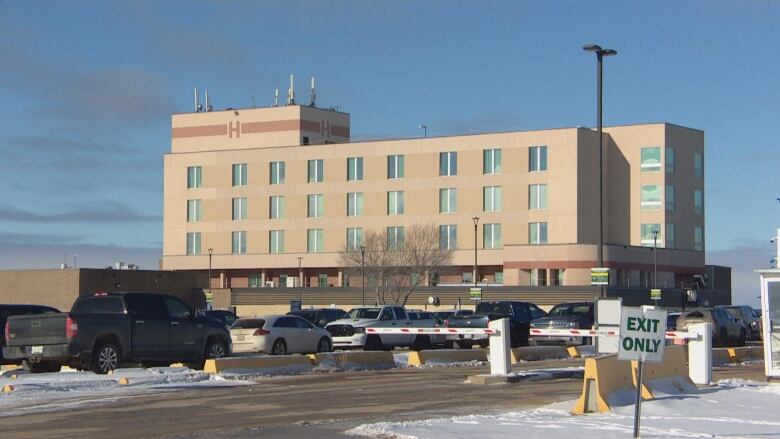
[655,259]
[424,128]
[476,221]
[600,54]
[300,280]
[211,251]
[363,275]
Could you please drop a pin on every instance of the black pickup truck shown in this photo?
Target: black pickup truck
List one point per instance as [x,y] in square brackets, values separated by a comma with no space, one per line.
[519,314]
[107,329]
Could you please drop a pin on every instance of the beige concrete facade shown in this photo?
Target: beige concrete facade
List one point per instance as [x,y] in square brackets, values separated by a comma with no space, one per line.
[216,141]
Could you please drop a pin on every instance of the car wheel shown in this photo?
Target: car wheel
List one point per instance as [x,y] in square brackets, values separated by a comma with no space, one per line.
[421,342]
[373,343]
[279,347]
[324,345]
[464,344]
[104,359]
[41,367]
[215,349]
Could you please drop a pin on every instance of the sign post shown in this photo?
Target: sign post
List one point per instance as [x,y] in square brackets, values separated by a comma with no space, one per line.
[642,338]
[475,293]
[599,276]
[655,295]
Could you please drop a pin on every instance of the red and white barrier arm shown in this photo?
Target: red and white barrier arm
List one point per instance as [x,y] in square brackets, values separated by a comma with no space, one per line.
[443,331]
[599,333]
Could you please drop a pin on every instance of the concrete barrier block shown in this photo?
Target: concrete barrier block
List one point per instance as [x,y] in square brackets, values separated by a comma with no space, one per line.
[8,388]
[574,352]
[603,376]
[538,353]
[674,369]
[259,362]
[356,359]
[124,381]
[446,356]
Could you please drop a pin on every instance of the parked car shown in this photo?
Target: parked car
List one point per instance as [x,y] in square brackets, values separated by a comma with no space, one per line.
[578,315]
[425,319]
[350,332]
[19,310]
[279,335]
[671,320]
[441,316]
[223,315]
[519,314]
[321,316]
[726,330]
[107,329]
[745,314]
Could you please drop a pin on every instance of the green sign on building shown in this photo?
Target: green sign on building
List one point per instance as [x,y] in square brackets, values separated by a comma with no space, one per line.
[475,293]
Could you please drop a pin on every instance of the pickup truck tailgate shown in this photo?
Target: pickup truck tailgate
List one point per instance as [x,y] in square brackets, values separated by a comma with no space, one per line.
[35,330]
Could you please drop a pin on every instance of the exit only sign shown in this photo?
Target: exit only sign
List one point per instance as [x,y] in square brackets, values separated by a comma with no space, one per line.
[642,335]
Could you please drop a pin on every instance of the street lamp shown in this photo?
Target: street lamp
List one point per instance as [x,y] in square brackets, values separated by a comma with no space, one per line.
[300,279]
[211,251]
[363,274]
[655,259]
[424,128]
[476,220]
[600,54]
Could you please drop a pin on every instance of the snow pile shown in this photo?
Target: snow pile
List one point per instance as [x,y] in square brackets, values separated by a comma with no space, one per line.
[733,408]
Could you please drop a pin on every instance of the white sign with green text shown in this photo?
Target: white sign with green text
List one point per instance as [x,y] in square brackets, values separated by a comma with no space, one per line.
[642,335]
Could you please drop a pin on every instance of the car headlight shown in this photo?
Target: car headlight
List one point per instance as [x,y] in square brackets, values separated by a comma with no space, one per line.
[574,325]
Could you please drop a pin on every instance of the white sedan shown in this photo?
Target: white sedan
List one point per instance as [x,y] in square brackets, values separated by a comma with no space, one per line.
[279,335]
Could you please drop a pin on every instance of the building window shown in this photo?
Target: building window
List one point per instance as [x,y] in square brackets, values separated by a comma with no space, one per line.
[322,280]
[194,177]
[651,159]
[355,204]
[395,237]
[698,164]
[698,202]
[277,172]
[537,233]
[651,197]
[491,199]
[254,281]
[194,210]
[491,161]
[239,208]
[448,200]
[395,166]
[395,202]
[448,237]
[537,196]
[239,243]
[669,152]
[354,168]
[467,277]
[448,164]
[316,171]
[276,207]
[276,241]
[669,199]
[537,158]
[499,277]
[314,241]
[698,238]
[491,235]
[239,174]
[193,243]
[316,205]
[538,277]
[556,276]
[647,234]
[670,236]
[354,238]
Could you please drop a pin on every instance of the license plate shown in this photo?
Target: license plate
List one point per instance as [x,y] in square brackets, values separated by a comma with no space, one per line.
[241,338]
[37,350]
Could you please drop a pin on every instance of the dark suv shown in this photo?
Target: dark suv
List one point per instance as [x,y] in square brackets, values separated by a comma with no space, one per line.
[519,314]
[19,310]
[320,316]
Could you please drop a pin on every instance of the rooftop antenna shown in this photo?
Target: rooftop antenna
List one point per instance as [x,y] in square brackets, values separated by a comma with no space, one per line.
[313,93]
[291,91]
[276,98]
[198,107]
[208,101]
[253,102]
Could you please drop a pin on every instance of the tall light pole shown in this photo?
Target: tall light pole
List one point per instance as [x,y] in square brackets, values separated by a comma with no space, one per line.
[655,259]
[211,251]
[300,280]
[600,54]
[424,128]
[476,221]
[363,275]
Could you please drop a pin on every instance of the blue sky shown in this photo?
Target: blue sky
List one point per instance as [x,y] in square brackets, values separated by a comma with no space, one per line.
[87,89]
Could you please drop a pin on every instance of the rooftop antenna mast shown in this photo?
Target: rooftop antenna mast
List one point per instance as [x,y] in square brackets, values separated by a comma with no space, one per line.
[291,91]
[198,107]
[208,101]
[276,98]
[313,93]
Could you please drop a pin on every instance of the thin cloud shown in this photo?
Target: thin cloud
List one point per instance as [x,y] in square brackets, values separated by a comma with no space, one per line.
[108,212]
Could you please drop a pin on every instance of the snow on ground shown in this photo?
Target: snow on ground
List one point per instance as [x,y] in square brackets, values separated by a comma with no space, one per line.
[733,408]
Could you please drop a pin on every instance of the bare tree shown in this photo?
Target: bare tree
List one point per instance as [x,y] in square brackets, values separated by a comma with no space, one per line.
[397,265]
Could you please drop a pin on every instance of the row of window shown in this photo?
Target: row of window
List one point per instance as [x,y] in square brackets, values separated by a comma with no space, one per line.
[651,236]
[448,166]
[650,198]
[448,203]
[651,160]
[448,238]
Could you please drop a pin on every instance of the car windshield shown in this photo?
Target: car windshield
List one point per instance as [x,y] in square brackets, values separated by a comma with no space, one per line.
[502,308]
[569,310]
[249,323]
[363,313]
